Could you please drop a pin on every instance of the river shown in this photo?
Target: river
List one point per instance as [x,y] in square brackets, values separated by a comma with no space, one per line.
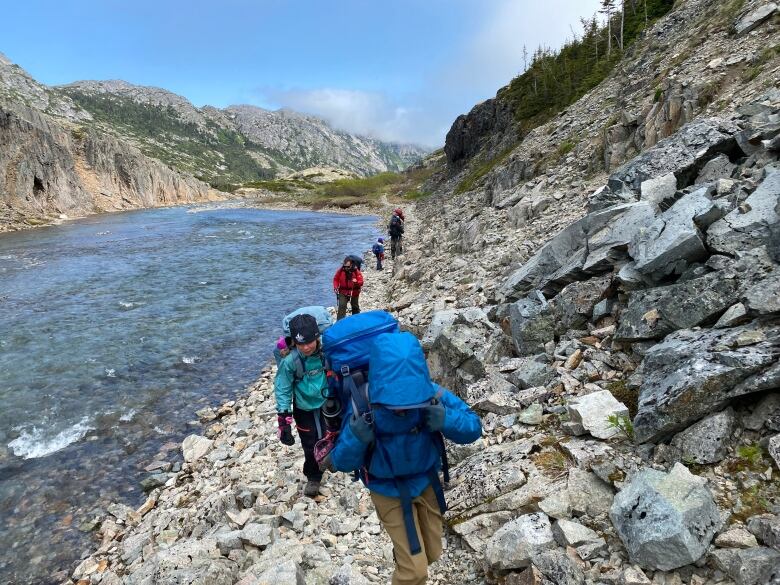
[114,329]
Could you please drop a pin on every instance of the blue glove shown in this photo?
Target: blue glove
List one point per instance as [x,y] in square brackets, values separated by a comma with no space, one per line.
[362,429]
[434,417]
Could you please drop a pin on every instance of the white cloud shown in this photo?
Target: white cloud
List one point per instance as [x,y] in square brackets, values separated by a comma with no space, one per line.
[488,61]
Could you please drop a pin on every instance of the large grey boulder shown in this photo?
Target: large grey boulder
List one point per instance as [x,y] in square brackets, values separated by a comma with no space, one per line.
[693,373]
[754,18]
[516,542]
[751,566]
[589,246]
[763,298]
[654,313]
[719,167]
[570,533]
[674,240]
[766,528]
[588,494]
[592,411]
[708,440]
[574,305]
[665,520]
[558,568]
[286,572]
[532,371]
[532,324]
[774,449]
[754,223]
[461,347]
[682,153]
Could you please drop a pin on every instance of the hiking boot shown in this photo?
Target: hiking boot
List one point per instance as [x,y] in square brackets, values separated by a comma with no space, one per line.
[311,489]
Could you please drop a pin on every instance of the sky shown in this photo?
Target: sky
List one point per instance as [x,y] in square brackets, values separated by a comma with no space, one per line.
[397,70]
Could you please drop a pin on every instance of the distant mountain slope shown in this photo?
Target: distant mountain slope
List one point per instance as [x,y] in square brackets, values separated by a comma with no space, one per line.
[239,144]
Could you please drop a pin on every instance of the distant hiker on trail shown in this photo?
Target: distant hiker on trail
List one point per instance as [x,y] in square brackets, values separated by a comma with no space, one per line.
[298,388]
[395,443]
[379,251]
[347,284]
[396,230]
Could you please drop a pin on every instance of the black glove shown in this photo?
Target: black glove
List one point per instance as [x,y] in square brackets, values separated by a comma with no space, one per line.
[362,429]
[284,421]
[434,416]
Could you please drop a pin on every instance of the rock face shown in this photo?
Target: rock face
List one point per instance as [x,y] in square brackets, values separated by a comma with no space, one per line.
[517,542]
[692,373]
[665,520]
[708,440]
[468,134]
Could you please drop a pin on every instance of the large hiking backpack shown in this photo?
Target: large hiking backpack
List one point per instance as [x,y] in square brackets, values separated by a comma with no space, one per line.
[357,261]
[396,227]
[392,396]
[321,314]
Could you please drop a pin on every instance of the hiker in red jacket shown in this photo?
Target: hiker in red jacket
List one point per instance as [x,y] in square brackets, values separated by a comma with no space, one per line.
[347,284]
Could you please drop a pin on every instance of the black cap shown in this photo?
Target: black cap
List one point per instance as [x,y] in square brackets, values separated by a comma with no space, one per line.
[303,328]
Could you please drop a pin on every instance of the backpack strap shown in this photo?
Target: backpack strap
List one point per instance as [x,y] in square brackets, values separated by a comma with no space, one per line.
[406,507]
[357,387]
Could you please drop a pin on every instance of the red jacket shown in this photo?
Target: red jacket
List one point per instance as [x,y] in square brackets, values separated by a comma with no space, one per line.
[351,287]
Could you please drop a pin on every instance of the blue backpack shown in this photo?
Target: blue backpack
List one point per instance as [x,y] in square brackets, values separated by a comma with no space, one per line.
[391,395]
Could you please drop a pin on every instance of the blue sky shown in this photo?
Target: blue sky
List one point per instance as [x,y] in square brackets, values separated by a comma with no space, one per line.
[396,69]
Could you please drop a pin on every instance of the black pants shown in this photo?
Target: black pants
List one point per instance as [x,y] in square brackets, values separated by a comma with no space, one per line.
[309,432]
[395,247]
[342,310]
[379,261]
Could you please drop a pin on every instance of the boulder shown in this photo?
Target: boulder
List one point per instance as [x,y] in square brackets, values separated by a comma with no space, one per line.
[708,440]
[659,190]
[532,371]
[774,449]
[693,373]
[557,505]
[346,574]
[656,312]
[516,542]
[717,168]
[592,412]
[461,348]
[763,298]
[674,240]
[573,306]
[259,535]
[754,18]
[588,494]
[736,538]
[754,223]
[665,520]
[766,528]
[764,414]
[682,154]
[194,447]
[752,566]
[532,324]
[569,533]
[558,568]
[587,247]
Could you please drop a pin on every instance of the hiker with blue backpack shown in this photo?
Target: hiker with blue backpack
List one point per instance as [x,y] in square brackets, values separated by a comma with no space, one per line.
[300,388]
[395,422]
[379,251]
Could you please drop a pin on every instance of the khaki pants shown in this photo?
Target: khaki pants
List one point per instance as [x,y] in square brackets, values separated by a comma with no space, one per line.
[411,569]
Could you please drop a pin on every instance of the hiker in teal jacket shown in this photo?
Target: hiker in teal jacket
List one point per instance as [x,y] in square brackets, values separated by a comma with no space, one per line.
[405,408]
[299,388]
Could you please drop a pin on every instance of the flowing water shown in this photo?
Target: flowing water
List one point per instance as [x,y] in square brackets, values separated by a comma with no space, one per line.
[114,330]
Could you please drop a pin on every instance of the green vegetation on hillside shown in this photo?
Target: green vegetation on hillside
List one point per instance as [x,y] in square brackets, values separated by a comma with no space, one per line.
[556,79]
[219,156]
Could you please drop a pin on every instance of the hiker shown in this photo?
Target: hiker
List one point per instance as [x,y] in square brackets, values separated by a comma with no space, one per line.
[347,284]
[396,230]
[282,349]
[379,251]
[397,447]
[299,388]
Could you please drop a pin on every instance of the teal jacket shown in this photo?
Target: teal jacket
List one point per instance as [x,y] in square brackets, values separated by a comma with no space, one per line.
[308,391]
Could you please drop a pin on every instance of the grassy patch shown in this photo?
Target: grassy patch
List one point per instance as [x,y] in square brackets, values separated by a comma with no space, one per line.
[622,423]
[550,461]
[565,147]
[470,180]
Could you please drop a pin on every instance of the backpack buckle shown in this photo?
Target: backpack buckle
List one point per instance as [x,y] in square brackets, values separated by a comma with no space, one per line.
[368,417]
[345,370]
